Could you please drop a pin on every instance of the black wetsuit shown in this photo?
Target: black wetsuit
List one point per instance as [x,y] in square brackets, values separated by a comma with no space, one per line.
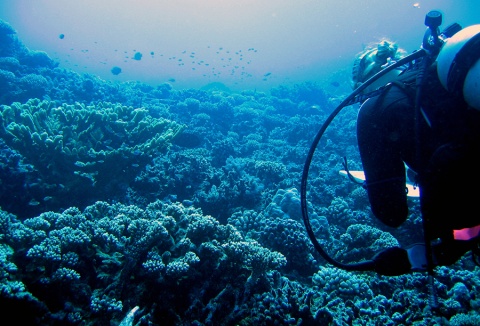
[448,136]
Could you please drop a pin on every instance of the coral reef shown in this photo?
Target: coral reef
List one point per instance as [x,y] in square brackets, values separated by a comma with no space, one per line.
[93,264]
[82,152]
[133,204]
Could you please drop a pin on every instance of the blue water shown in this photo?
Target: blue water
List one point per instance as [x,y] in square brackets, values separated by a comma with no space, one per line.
[236,43]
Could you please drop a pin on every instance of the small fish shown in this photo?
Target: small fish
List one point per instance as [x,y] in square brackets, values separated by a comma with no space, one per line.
[33,202]
[416,5]
[116,70]
[128,320]
[137,56]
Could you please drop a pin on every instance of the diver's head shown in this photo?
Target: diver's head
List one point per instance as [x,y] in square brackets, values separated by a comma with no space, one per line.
[373,59]
[385,50]
[458,65]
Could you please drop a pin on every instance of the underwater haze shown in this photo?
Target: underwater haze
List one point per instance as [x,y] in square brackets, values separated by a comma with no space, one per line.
[242,44]
[151,156]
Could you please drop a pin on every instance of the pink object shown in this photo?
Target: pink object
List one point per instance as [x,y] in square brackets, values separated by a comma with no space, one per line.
[467,233]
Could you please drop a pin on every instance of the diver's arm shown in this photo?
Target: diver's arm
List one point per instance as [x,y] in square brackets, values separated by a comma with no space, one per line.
[382,162]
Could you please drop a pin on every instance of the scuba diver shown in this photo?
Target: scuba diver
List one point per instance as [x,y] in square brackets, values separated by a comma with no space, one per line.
[419,117]
[440,144]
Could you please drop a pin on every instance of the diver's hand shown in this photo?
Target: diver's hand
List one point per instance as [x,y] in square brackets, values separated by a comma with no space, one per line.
[392,262]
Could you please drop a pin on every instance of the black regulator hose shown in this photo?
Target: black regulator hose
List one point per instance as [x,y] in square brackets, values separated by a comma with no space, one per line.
[367,265]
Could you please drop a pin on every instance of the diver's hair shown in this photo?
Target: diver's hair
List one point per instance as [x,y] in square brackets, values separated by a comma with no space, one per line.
[397,52]
[368,62]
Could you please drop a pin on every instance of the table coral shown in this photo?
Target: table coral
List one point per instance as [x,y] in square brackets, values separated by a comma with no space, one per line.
[79,149]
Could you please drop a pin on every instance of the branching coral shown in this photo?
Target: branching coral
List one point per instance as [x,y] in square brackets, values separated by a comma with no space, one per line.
[362,242]
[96,258]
